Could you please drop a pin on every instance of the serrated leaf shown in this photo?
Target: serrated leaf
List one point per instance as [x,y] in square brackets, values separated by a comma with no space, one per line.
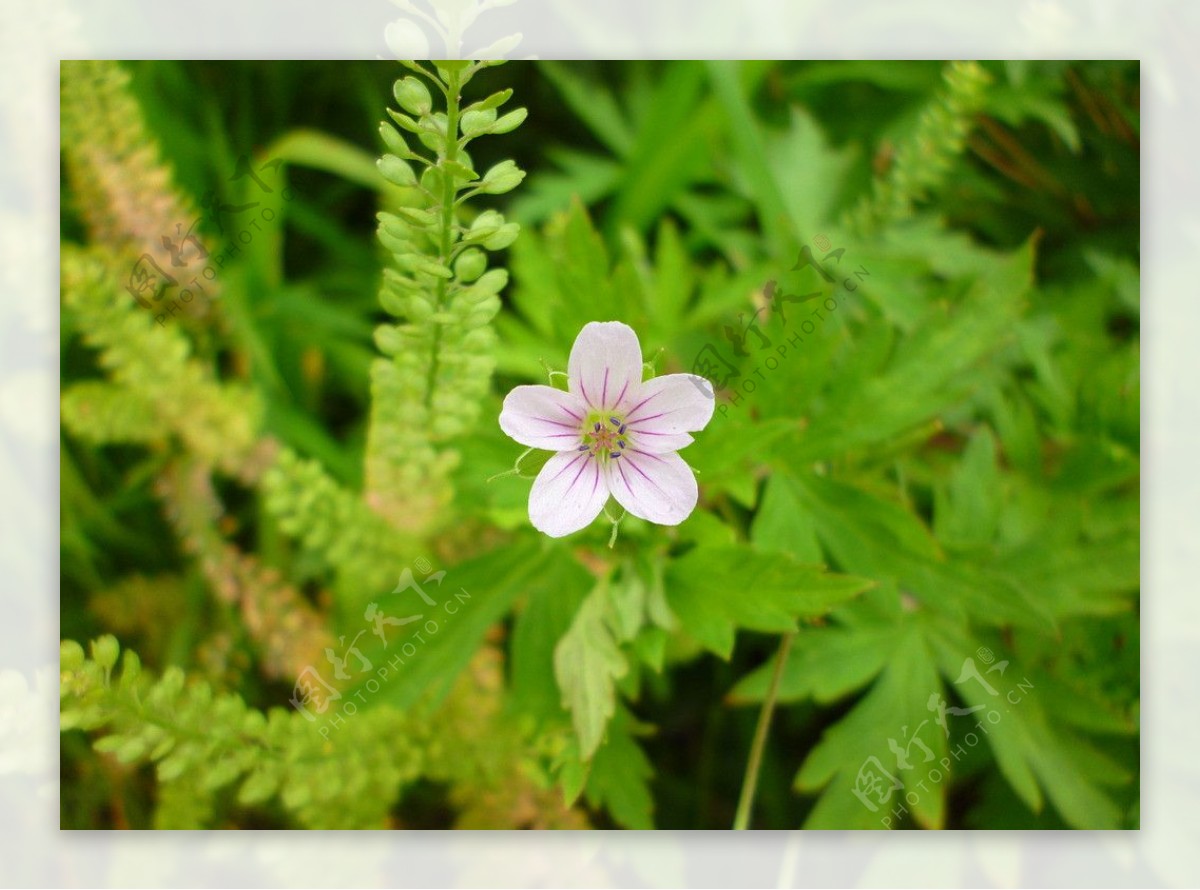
[967,505]
[618,776]
[716,591]
[783,524]
[926,373]
[890,722]
[824,664]
[881,540]
[1031,752]
[587,664]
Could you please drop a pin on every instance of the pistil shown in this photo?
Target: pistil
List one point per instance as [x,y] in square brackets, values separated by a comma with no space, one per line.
[605,437]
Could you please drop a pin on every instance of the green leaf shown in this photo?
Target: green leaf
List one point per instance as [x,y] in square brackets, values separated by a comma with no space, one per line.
[619,775]
[926,373]
[1032,753]
[731,455]
[259,786]
[824,664]
[882,540]
[482,590]
[670,149]
[893,713]
[587,663]
[716,591]
[1076,577]
[320,151]
[674,279]
[594,104]
[555,596]
[750,149]
[783,524]
[967,506]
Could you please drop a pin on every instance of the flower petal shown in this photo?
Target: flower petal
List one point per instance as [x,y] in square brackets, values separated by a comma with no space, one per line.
[605,364]
[543,417]
[673,403]
[568,494]
[660,488]
[661,443]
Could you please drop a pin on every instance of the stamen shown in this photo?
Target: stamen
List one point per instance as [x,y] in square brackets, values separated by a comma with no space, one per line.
[622,429]
[597,426]
[614,421]
[615,454]
[620,443]
[583,447]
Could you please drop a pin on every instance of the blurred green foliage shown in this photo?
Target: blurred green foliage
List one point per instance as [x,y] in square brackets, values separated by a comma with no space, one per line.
[918,283]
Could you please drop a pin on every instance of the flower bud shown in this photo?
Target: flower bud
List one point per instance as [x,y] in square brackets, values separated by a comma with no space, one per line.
[413,96]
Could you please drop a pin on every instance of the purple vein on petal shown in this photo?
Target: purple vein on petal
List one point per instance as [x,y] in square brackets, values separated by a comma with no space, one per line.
[628,487]
[569,426]
[595,478]
[576,479]
[634,409]
[622,395]
[634,423]
[570,464]
[633,464]
[604,390]
[656,457]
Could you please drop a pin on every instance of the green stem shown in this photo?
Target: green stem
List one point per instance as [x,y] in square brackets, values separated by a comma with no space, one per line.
[750,784]
[453,89]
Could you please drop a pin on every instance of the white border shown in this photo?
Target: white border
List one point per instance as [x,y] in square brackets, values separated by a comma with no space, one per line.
[32,850]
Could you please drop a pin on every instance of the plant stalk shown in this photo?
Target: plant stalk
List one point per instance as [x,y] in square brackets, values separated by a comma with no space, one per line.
[741,820]
[453,89]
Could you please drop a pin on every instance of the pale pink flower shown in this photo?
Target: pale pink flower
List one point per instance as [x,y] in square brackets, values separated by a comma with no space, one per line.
[615,434]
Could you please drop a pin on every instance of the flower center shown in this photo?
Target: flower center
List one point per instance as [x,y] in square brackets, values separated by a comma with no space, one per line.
[604,435]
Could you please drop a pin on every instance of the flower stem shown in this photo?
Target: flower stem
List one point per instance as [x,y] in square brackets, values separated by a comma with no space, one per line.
[741,821]
[453,89]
